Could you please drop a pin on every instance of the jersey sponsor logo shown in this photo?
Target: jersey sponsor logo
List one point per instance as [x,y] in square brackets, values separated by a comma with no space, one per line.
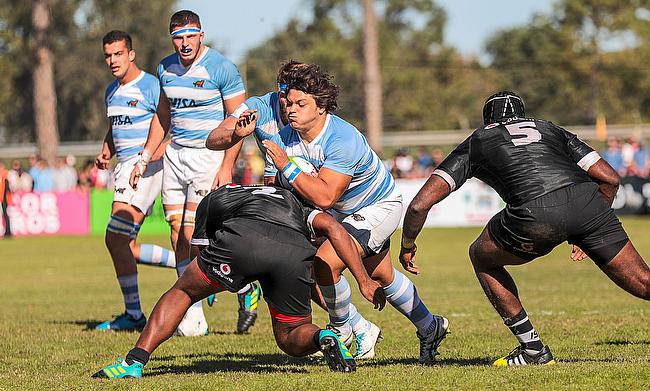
[221,274]
[132,103]
[121,120]
[225,268]
[181,103]
[199,83]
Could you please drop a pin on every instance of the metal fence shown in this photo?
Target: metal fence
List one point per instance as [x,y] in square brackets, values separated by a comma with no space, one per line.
[390,140]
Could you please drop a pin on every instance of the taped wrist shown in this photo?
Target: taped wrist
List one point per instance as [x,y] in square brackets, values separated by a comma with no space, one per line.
[291,171]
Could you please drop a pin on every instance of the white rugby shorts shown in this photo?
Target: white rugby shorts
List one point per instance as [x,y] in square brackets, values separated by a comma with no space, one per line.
[188,173]
[149,185]
[373,225]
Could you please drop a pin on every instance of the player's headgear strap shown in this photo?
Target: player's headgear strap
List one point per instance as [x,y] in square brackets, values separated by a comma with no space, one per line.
[502,105]
[185,31]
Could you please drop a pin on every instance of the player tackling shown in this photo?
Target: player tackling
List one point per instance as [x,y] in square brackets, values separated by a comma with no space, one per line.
[277,252]
[556,189]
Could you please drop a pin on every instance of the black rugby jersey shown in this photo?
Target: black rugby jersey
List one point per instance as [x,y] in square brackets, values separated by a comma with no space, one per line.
[521,159]
[269,204]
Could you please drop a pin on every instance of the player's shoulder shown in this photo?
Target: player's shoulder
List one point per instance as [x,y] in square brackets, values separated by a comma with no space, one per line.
[215,58]
[149,82]
[260,101]
[339,130]
[169,61]
[111,88]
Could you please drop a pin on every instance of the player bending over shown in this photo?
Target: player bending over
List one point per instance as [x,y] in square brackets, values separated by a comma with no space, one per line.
[131,102]
[276,251]
[556,189]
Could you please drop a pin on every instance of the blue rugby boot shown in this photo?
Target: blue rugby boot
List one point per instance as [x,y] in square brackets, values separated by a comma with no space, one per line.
[120,370]
[338,357]
[124,322]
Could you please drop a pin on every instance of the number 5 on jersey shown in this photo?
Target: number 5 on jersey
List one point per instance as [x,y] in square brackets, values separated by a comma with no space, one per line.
[527,129]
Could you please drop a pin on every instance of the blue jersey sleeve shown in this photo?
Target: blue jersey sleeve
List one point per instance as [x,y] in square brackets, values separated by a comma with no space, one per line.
[230,82]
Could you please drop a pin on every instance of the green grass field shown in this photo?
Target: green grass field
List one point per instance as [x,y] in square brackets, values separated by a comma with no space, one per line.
[54,289]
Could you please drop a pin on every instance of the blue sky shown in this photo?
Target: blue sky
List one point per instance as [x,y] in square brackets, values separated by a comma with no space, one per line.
[235,29]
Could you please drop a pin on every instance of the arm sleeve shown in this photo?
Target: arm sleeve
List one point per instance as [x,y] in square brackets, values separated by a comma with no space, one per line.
[240,109]
[456,168]
[579,151]
[231,82]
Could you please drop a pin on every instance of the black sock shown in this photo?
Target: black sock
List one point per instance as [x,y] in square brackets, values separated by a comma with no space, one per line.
[521,327]
[317,339]
[137,354]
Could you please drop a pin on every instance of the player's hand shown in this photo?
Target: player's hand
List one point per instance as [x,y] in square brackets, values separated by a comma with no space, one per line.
[276,153]
[246,123]
[374,293]
[102,161]
[407,259]
[222,178]
[577,254]
[136,173]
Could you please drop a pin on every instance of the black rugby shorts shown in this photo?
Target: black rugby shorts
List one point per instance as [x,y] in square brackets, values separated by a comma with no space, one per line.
[578,214]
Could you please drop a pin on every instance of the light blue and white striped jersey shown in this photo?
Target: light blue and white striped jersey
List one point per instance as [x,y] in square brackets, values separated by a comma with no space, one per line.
[342,148]
[130,108]
[269,121]
[196,94]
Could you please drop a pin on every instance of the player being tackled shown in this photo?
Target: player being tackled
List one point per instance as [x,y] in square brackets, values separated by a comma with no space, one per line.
[277,252]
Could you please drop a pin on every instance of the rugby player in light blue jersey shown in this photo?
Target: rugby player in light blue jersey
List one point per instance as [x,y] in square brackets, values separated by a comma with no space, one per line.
[357,188]
[269,112]
[269,115]
[199,87]
[131,102]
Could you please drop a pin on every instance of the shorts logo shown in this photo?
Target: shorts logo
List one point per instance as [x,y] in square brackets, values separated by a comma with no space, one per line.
[199,83]
[358,217]
[132,103]
[120,190]
[202,193]
[225,268]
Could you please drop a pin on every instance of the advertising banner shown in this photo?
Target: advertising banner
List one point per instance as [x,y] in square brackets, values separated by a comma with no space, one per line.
[48,214]
[471,205]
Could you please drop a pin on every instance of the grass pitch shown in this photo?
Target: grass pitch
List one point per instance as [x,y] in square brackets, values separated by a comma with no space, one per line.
[54,290]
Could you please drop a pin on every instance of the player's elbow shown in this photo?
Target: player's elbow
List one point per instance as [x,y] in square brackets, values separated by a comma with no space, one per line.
[324,202]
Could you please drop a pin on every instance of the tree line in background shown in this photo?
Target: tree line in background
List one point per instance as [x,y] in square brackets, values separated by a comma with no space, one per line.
[585,58]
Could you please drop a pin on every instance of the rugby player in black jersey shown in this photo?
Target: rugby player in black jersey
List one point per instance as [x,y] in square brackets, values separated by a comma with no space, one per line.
[248,233]
[556,189]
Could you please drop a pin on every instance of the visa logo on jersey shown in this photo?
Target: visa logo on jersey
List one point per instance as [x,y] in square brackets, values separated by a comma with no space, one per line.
[181,103]
[121,120]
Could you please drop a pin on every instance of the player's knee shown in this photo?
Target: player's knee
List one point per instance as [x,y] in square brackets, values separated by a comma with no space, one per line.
[174,218]
[119,231]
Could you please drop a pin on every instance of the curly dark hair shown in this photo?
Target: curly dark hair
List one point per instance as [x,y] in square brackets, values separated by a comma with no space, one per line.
[284,73]
[311,80]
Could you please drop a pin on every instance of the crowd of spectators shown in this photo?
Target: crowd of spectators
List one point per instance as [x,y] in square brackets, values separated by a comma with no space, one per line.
[630,157]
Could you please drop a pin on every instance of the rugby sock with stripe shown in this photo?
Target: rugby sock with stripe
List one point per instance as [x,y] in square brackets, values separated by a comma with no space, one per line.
[358,323]
[151,254]
[129,287]
[402,295]
[180,269]
[337,299]
[523,330]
